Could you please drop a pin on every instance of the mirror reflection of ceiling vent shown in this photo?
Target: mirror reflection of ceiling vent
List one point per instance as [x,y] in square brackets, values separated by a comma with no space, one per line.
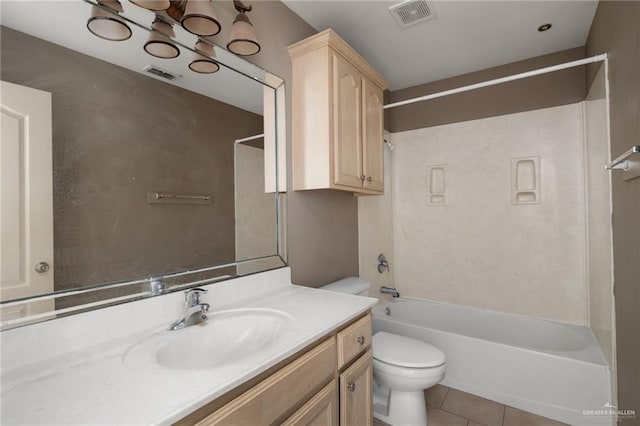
[159,72]
[412,12]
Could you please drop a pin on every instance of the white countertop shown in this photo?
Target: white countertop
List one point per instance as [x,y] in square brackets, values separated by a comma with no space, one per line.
[92,385]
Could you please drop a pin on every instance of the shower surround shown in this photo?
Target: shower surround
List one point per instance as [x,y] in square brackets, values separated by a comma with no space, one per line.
[509,214]
[480,247]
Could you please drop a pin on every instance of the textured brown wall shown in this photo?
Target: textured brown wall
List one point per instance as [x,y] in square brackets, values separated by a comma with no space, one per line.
[322,225]
[116,135]
[548,90]
[616,31]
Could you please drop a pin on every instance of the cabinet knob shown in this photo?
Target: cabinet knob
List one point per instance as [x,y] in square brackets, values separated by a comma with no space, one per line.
[369,179]
[362,177]
[360,340]
[42,267]
[351,387]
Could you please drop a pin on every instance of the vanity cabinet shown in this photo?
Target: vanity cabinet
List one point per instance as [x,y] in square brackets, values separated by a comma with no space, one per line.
[337,117]
[356,381]
[329,384]
[355,393]
[321,410]
[353,340]
[266,402]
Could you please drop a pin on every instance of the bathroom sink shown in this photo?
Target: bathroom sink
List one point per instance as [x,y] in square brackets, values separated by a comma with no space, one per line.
[224,338]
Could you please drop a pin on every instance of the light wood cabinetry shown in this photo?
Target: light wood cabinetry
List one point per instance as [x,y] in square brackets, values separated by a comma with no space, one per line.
[267,401]
[330,384]
[356,385]
[373,135]
[347,119]
[354,340]
[337,117]
[321,410]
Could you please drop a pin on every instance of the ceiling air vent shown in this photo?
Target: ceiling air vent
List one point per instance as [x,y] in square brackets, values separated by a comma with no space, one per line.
[159,72]
[412,12]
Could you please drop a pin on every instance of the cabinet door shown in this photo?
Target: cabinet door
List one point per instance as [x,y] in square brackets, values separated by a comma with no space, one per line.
[356,393]
[373,136]
[347,124]
[321,410]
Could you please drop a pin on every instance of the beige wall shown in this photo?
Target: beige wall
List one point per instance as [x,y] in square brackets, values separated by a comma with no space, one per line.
[322,225]
[479,249]
[616,31]
[255,211]
[544,91]
[598,182]
[375,233]
[118,134]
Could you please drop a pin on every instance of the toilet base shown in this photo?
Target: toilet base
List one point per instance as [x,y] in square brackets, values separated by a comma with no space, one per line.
[407,408]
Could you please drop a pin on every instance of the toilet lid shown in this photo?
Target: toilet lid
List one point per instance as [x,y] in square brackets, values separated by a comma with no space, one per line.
[405,352]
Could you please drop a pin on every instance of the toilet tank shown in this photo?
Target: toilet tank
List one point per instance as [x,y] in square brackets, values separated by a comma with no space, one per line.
[350,285]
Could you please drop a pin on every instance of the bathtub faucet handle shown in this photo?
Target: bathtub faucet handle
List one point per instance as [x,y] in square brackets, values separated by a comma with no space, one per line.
[382,263]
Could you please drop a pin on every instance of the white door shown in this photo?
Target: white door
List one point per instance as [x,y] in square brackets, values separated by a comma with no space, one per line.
[26,193]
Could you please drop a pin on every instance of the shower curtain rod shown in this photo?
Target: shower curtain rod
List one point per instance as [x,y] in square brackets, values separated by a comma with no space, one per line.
[500,80]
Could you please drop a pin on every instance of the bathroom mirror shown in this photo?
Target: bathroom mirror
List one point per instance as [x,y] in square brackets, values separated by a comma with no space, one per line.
[125,175]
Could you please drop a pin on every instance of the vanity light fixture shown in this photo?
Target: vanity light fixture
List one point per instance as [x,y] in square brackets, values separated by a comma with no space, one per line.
[155,5]
[106,25]
[243,39]
[159,44]
[200,18]
[201,62]
[196,16]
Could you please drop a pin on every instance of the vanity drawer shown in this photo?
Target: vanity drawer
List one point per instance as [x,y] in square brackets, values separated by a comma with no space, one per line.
[354,340]
[270,399]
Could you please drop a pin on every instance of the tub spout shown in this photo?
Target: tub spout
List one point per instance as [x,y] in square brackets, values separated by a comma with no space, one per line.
[389,290]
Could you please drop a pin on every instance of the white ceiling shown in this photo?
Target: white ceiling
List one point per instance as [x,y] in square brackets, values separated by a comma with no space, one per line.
[63,22]
[465,36]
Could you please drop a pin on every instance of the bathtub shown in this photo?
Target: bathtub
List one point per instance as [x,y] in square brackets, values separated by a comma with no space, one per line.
[549,368]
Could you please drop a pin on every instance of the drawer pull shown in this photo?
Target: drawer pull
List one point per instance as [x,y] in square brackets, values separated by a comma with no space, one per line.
[362,177]
[351,387]
[369,179]
[360,340]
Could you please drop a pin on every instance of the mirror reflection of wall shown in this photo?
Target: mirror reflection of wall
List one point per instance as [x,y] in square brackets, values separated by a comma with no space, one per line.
[255,229]
[118,135]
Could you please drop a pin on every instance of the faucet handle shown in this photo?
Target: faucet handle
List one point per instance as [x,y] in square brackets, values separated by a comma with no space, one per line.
[382,263]
[192,296]
[204,308]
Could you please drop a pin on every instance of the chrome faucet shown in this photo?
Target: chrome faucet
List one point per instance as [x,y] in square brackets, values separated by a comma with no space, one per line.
[389,290]
[195,311]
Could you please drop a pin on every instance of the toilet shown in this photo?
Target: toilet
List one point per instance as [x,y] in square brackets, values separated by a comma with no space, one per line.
[402,368]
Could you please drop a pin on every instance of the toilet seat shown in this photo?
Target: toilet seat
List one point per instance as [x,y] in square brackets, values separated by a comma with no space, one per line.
[409,373]
[401,351]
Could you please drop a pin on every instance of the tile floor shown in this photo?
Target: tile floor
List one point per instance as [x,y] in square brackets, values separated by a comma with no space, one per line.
[451,407]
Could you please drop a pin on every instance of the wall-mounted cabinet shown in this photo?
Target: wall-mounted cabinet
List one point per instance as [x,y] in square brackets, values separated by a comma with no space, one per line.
[337,117]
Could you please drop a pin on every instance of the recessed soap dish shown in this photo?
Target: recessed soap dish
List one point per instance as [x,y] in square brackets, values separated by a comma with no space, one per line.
[436,185]
[525,180]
